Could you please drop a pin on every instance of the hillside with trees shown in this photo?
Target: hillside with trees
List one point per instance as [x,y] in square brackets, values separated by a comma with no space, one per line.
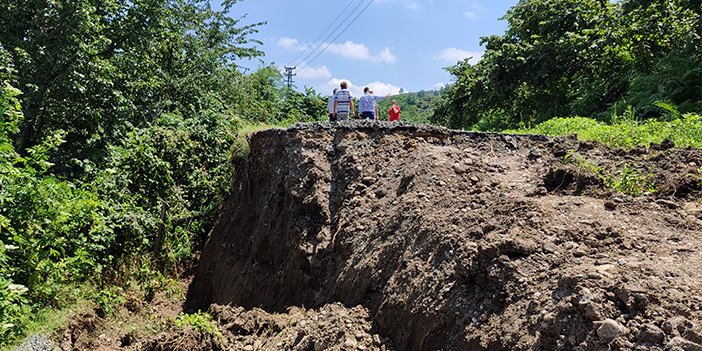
[563,58]
[416,107]
[119,122]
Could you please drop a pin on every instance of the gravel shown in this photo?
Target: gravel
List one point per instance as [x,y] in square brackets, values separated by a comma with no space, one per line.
[37,342]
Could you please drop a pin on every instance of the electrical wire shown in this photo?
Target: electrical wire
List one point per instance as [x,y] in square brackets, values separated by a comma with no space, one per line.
[335,30]
[316,40]
[337,37]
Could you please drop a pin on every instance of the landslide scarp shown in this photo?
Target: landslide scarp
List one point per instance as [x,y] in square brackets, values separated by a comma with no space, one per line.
[460,240]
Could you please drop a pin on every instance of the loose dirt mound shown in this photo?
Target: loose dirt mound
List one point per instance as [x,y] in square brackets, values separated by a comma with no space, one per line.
[412,237]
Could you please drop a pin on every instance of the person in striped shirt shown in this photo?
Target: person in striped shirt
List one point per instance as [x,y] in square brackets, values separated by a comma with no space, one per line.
[343,103]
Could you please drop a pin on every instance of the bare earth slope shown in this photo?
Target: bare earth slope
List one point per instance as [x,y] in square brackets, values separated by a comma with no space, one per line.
[459,240]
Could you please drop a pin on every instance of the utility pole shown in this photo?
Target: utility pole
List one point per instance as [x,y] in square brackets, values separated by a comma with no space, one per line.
[288,75]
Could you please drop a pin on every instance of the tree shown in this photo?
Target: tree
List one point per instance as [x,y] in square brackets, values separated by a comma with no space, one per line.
[566,58]
[95,68]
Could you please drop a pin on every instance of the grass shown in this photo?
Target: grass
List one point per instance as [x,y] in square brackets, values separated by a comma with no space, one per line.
[624,132]
[629,181]
[241,146]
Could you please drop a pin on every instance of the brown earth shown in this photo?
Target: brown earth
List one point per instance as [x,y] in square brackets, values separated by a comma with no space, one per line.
[395,236]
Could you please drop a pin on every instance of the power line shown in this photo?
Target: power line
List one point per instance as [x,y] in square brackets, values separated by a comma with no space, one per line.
[315,41]
[337,28]
[337,37]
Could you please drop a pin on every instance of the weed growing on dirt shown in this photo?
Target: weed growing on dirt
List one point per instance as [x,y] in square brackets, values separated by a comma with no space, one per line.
[626,180]
[583,165]
[108,298]
[241,145]
[629,181]
[201,321]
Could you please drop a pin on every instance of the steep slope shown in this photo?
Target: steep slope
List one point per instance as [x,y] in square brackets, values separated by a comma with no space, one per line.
[462,240]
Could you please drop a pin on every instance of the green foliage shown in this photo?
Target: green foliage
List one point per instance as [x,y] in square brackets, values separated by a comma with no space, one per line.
[675,81]
[416,107]
[264,99]
[123,108]
[201,321]
[14,305]
[625,131]
[97,71]
[625,180]
[579,58]
[629,181]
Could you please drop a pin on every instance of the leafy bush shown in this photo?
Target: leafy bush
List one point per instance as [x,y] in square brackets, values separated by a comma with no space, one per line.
[14,306]
[579,58]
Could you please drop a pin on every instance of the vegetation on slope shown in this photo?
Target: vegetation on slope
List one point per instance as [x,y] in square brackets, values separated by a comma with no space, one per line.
[118,125]
[564,58]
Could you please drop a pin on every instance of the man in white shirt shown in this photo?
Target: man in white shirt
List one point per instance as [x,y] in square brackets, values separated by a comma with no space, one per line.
[330,106]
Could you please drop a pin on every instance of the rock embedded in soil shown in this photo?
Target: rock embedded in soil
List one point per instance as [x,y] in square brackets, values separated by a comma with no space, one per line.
[651,334]
[679,343]
[610,329]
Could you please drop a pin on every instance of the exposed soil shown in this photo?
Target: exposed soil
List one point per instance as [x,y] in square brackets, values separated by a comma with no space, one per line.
[394,236]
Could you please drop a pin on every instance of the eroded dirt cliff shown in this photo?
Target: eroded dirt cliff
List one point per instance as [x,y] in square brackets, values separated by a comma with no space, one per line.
[460,240]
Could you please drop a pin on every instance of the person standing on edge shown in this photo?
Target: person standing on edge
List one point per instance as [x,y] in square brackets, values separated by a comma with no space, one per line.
[366,104]
[343,103]
[330,106]
[394,112]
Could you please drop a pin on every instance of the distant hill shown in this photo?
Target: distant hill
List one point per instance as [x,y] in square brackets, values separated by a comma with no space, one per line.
[416,107]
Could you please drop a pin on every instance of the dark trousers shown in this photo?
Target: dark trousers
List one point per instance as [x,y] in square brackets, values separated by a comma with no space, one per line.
[367,115]
[332,118]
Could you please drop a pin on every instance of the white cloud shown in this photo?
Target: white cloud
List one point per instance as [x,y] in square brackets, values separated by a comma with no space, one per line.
[454,55]
[478,7]
[350,49]
[438,86]
[382,89]
[361,52]
[384,56]
[473,12]
[313,72]
[347,49]
[290,43]
[412,6]
[377,87]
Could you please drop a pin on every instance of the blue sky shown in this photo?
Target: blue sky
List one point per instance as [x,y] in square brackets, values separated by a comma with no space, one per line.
[393,44]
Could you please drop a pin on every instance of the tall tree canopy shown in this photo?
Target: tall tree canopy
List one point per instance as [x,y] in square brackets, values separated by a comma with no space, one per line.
[91,67]
[584,57]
